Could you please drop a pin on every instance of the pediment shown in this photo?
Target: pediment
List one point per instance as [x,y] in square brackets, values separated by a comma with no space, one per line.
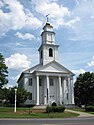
[54,67]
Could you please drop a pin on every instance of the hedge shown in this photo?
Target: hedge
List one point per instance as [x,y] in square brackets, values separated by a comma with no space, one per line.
[89,108]
[55,109]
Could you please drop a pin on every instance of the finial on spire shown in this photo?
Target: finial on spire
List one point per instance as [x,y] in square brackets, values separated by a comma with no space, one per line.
[47,17]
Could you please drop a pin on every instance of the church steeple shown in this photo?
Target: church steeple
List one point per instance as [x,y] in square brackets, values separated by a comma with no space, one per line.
[48,50]
[48,35]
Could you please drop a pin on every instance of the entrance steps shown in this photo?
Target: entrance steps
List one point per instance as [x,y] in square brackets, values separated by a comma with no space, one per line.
[44,106]
[39,107]
[70,106]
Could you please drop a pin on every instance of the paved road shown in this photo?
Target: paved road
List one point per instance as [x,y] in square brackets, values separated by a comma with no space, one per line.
[67,121]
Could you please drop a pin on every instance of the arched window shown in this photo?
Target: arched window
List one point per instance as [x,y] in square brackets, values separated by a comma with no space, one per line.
[51,52]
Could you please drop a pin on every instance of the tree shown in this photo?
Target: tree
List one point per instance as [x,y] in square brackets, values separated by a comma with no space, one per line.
[3,72]
[21,96]
[84,89]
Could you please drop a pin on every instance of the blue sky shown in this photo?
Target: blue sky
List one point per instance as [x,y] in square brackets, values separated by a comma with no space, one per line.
[21,23]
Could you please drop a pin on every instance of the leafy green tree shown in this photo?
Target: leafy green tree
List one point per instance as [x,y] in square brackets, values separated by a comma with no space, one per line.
[3,96]
[3,72]
[21,96]
[84,89]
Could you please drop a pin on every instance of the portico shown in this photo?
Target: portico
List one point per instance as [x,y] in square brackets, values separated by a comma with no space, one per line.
[59,91]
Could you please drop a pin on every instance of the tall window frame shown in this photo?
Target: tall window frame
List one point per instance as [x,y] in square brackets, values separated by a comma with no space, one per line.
[30,96]
[41,54]
[30,81]
[50,52]
[51,82]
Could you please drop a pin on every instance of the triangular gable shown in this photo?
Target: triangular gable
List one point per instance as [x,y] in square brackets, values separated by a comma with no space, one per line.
[54,67]
[32,69]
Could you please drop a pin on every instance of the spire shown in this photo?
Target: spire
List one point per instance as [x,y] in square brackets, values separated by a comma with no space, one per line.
[47,16]
[47,26]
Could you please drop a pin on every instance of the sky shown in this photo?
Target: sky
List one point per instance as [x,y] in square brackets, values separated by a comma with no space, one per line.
[21,23]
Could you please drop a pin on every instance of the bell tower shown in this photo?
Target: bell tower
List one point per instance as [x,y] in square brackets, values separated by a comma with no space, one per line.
[48,51]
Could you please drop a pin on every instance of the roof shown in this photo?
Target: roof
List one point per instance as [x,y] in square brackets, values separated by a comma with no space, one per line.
[52,67]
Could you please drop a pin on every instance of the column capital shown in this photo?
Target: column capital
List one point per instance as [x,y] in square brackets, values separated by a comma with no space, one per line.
[66,77]
[59,76]
[37,75]
[71,78]
[47,75]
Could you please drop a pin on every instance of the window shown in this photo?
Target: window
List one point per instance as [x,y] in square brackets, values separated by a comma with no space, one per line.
[40,82]
[51,82]
[50,52]
[30,96]
[41,54]
[67,96]
[67,83]
[30,81]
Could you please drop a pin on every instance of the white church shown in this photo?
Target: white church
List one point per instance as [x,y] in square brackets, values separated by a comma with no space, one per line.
[49,81]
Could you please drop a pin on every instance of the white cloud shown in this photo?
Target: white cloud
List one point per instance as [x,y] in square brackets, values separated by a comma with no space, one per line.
[71,22]
[15,77]
[57,12]
[25,36]
[77,2]
[84,29]
[77,72]
[92,17]
[91,64]
[19,44]
[17,61]
[16,17]
[1,4]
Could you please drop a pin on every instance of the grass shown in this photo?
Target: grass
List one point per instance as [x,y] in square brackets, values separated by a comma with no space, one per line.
[91,113]
[8,112]
[77,109]
[38,115]
[81,110]
[11,109]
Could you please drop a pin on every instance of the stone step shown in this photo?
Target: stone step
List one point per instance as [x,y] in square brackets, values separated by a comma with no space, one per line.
[70,106]
[40,107]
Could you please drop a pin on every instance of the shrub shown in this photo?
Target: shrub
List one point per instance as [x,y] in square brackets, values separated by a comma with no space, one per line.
[49,109]
[54,104]
[55,109]
[89,108]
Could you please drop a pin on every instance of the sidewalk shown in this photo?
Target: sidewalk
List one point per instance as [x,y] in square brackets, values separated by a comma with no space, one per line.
[81,114]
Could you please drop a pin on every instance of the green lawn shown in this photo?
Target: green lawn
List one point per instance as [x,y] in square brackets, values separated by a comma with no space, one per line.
[77,109]
[81,110]
[24,113]
[91,113]
[11,109]
[38,115]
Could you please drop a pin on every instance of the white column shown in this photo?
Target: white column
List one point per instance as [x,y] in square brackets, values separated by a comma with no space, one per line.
[60,90]
[65,91]
[72,91]
[48,91]
[37,103]
[69,90]
[45,92]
